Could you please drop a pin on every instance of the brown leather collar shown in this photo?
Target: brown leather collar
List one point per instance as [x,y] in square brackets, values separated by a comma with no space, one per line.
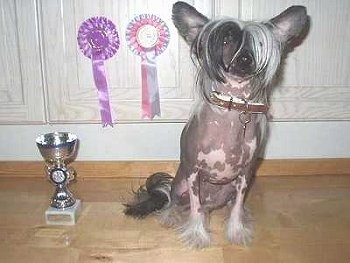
[234,103]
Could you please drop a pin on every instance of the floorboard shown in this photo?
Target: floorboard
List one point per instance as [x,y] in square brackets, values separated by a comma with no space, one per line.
[297,219]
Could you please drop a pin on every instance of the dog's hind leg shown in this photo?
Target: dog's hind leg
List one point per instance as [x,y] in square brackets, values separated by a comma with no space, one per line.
[194,232]
[238,229]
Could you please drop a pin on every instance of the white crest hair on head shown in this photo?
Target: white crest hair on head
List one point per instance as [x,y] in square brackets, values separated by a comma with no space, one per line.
[267,51]
[204,50]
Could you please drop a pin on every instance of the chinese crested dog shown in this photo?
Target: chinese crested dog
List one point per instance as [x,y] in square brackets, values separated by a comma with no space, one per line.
[237,62]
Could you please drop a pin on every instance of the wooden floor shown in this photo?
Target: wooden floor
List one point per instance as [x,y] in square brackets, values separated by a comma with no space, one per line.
[297,219]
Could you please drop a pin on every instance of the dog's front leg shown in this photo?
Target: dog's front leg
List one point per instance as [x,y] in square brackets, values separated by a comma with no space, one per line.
[238,229]
[194,232]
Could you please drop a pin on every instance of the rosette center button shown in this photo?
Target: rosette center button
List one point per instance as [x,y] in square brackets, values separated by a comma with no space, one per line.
[98,40]
[147,36]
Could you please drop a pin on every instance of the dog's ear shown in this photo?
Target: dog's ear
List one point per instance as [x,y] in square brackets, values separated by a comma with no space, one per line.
[291,25]
[188,21]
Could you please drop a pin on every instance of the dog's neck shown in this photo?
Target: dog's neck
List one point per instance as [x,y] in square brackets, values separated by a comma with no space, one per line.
[235,95]
[238,88]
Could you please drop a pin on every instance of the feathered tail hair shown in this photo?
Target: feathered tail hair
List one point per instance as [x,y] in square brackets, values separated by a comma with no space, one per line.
[153,196]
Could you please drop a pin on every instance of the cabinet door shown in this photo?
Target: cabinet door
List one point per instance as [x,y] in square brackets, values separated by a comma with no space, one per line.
[316,80]
[21,92]
[72,95]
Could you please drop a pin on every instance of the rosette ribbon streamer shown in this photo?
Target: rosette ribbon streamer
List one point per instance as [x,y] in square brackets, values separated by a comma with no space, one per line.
[98,40]
[148,36]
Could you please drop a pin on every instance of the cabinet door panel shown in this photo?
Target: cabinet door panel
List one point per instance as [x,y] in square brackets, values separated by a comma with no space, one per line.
[70,87]
[21,92]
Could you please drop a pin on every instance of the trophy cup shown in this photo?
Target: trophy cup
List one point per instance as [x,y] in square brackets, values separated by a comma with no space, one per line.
[59,149]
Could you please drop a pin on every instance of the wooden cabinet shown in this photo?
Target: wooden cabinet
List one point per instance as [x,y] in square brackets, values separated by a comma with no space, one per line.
[315,82]
[72,94]
[40,61]
[21,86]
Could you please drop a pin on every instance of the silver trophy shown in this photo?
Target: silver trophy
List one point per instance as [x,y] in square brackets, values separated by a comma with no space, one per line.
[58,150]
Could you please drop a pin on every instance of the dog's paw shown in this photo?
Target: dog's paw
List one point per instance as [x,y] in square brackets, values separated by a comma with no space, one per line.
[194,233]
[239,233]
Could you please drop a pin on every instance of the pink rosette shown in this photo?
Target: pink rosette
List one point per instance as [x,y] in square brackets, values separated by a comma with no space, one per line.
[148,36]
[98,40]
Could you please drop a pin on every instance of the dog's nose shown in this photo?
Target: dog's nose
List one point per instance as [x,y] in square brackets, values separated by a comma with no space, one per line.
[245,61]
[242,65]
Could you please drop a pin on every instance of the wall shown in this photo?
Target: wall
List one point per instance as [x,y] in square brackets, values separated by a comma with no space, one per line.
[151,141]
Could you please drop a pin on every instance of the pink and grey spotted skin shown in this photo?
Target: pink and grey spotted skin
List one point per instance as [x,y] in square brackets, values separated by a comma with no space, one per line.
[237,63]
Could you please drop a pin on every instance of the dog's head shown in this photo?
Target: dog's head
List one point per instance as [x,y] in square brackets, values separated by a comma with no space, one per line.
[229,50]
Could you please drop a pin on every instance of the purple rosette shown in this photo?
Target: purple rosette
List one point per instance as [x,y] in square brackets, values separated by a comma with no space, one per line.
[148,36]
[98,40]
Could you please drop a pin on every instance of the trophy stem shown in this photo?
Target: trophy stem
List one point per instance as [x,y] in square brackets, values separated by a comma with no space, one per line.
[62,197]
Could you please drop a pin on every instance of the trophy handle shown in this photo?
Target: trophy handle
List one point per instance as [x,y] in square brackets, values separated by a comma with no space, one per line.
[71,174]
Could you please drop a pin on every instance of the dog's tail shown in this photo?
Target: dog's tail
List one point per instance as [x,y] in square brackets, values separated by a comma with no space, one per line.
[152,197]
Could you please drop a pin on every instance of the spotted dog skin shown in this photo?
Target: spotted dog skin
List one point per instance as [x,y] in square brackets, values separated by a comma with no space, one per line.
[219,150]
[214,153]
[217,165]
